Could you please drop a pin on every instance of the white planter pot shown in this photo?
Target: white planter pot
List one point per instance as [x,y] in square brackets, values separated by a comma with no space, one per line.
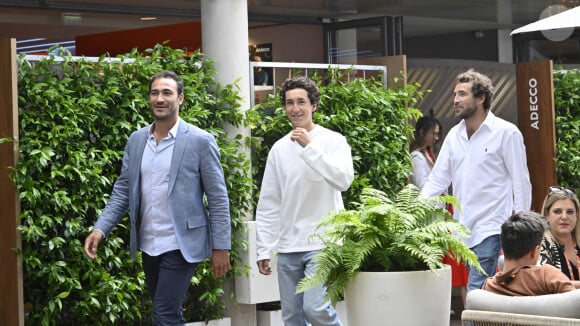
[253,287]
[399,298]
[269,318]
[218,322]
[274,317]
[341,311]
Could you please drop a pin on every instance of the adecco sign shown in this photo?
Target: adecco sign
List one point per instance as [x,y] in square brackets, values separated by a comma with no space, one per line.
[533,92]
[535,95]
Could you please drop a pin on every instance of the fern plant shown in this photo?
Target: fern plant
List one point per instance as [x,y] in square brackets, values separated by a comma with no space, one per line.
[406,233]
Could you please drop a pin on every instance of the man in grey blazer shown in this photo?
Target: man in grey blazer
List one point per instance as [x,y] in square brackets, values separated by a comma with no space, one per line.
[168,166]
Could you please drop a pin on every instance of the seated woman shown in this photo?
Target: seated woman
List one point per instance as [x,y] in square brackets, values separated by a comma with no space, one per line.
[560,244]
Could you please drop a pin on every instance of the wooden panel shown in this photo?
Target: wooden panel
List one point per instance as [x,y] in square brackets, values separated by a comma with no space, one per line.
[437,76]
[396,67]
[11,298]
[186,36]
[535,94]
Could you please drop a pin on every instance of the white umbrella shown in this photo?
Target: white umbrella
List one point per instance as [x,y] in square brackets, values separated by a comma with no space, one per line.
[566,19]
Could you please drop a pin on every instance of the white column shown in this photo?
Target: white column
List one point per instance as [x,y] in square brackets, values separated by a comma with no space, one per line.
[504,46]
[504,40]
[224,33]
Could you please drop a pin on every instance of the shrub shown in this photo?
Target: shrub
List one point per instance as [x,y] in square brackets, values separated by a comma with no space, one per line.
[567,107]
[371,117]
[75,118]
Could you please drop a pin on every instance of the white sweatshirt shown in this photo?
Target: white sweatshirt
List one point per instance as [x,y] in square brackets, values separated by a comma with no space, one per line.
[300,187]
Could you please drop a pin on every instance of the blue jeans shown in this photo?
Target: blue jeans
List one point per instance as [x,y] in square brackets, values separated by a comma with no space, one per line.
[487,253]
[305,308]
[168,277]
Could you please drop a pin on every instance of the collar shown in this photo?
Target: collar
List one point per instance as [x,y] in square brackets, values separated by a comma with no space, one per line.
[507,277]
[172,131]
[488,123]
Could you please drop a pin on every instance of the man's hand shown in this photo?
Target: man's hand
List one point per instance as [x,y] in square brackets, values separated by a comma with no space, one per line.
[220,262]
[300,135]
[92,243]
[264,266]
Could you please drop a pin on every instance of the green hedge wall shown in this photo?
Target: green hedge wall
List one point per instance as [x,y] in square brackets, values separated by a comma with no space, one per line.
[75,117]
[567,106]
[371,117]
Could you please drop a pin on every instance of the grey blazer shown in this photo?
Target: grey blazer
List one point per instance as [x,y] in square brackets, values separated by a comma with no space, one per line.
[195,171]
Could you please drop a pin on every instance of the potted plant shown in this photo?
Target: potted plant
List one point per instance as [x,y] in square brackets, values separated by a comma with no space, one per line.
[406,238]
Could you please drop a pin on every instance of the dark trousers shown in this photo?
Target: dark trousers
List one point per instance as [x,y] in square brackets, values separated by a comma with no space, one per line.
[168,277]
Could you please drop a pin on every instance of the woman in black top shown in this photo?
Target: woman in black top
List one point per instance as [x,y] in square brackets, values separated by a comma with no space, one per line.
[560,244]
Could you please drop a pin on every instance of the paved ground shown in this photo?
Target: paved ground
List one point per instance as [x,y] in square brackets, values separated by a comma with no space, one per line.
[457,306]
[455,322]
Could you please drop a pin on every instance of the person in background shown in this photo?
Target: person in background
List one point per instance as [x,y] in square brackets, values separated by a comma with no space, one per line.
[306,171]
[261,76]
[483,158]
[521,236]
[169,169]
[427,133]
[560,244]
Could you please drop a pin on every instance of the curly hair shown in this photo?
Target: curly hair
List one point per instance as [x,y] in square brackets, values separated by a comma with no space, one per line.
[301,82]
[481,85]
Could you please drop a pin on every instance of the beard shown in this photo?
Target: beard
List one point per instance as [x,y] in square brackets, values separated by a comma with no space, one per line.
[165,115]
[467,112]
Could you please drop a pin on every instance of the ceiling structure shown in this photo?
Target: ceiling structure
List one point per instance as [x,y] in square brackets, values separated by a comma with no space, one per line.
[54,21]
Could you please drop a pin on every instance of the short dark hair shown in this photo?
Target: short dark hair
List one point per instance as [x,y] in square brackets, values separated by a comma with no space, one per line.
[481,85]
[521,233]
[300,82]
[167,74]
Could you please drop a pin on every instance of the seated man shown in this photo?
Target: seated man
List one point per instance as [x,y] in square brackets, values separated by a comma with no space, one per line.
[521,236]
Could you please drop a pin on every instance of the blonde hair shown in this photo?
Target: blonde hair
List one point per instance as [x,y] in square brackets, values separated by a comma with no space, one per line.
[554,196]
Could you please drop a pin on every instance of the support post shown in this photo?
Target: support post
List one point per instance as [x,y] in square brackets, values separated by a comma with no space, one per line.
[224,28]
[536,120]
[11,292]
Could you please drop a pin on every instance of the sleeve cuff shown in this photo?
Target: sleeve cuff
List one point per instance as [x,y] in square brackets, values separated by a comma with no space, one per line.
[102,233]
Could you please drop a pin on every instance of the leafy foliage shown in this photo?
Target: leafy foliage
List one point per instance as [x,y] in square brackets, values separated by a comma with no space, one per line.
[75,118]
[567,104]
[371,117]
[406,233]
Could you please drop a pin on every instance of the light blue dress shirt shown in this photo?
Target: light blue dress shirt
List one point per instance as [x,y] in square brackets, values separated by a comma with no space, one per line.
[156,233]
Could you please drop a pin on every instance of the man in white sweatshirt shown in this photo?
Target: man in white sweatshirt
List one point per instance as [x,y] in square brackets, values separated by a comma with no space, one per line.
[305,173]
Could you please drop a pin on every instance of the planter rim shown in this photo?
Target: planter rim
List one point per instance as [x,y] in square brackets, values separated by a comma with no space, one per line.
[406,272]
